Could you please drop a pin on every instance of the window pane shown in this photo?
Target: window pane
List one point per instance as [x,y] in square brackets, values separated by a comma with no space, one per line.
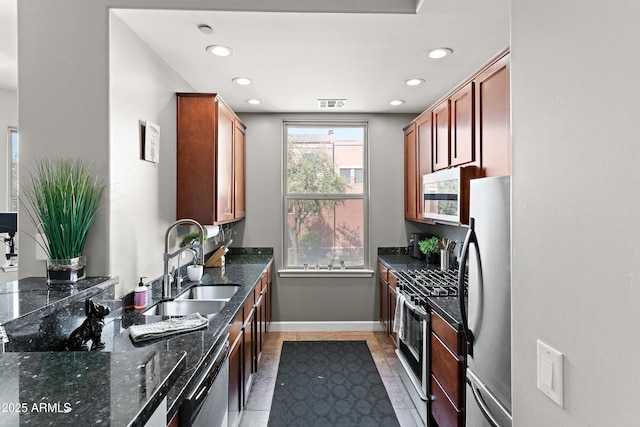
[319,230]
[319,158]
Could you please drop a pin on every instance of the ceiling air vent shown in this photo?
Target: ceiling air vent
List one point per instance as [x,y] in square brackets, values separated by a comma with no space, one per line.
[332,103]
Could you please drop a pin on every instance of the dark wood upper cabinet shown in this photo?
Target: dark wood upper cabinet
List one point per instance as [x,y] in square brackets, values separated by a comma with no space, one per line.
[210,160]
[424,131]
[462,130]
[471,127]
[410,173]
[493,112]
[239,171]
[441,136]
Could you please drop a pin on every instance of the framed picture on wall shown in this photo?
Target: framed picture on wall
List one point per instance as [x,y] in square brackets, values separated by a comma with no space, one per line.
[151,142]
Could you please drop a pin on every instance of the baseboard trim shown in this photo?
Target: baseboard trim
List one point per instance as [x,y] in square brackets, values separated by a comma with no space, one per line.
[326,327]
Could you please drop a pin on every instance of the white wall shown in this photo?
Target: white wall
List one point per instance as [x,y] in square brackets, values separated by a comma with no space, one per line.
[333,299]
[63,103]
[576,145]
[142,197]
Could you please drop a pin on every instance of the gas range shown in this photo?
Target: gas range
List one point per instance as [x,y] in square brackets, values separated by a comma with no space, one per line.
[417,285]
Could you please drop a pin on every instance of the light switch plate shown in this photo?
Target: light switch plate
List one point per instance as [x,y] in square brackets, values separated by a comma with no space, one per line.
[550,373]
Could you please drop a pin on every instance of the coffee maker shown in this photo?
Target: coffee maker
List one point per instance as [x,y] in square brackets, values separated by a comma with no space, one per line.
[414,248]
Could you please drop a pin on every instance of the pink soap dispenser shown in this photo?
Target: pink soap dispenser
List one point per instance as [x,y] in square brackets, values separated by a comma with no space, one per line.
[140,296]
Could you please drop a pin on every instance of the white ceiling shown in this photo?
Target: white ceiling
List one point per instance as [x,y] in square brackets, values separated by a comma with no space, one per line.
[296,58]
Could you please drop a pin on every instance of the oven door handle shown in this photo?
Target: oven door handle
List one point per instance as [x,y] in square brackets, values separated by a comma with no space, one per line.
[469,239]
[414,308]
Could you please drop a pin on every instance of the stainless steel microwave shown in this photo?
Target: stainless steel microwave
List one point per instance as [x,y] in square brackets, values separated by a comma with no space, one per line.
[445,195]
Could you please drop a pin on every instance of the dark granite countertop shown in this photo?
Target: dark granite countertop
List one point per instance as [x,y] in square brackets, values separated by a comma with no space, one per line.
[22,301]
[122,358]
[397,259]
[243,267]
[85,388]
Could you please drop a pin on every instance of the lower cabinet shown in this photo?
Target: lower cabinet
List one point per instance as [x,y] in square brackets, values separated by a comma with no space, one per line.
[249,347]
[235,380]
[247,334]
[448,352]
[388,298]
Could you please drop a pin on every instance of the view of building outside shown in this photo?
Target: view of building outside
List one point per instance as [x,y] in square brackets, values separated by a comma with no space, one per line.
[325,195]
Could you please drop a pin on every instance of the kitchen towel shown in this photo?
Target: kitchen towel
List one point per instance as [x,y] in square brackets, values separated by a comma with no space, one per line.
[188,323]
[398,321]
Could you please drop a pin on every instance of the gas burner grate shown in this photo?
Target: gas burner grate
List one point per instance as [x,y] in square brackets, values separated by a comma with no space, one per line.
[417,285]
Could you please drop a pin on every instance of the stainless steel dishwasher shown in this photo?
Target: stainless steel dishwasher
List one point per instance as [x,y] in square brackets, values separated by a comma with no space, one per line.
[208,403]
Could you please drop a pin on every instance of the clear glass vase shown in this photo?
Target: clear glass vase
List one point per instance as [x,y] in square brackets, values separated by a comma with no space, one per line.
[66,270]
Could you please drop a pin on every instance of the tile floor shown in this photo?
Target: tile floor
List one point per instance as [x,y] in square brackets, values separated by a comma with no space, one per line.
[256,413]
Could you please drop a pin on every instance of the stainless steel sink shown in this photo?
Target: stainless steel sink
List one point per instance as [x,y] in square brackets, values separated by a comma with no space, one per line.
[177,308]
[209,292]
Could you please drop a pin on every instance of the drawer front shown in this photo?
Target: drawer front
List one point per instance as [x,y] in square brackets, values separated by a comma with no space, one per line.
[447,334]
[448,370]
[443,410]
[236,327]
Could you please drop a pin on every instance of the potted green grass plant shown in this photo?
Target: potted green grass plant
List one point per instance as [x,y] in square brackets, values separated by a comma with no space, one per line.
[431,249]
[63,200]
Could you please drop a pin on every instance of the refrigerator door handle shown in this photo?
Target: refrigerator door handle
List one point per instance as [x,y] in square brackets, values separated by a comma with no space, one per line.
[476,388]
[469,239]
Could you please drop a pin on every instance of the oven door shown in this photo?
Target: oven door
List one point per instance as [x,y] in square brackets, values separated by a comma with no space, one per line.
[413,346]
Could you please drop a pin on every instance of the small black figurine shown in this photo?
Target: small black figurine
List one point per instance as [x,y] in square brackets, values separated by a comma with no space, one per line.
[91,328]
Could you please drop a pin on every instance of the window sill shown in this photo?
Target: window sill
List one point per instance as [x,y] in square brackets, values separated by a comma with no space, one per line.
[326,273]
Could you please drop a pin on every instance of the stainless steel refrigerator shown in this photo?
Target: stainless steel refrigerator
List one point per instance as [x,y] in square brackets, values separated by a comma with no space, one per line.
[487,317]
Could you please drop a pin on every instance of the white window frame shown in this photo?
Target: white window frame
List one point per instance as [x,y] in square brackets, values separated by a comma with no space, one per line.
[352,271]
[12,199]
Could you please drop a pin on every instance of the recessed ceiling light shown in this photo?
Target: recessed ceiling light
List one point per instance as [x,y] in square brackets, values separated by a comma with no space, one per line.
[243,81]
[414,82]
[438,53]
[253,101]
[219,50]
[205,29]
[396,102]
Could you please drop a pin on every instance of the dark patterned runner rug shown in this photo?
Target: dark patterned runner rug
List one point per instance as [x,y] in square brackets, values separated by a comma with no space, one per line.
[329,384]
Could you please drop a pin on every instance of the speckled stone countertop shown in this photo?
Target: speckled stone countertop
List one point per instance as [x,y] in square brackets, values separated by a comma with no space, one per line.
[398,259]
[243,267]
[21,301]
[85,388]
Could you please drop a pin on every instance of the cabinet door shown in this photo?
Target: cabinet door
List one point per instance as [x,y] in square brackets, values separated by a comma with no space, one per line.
[462,140]
[441,136]
[392,313]
[384,304]
[493,118]
[239,171]
[248,350]
[224,162]
[410,174]
[424,131]
[259,328]
[235,380]
[195,151]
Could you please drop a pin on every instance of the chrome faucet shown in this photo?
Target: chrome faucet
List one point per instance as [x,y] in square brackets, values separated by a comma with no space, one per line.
[166,280]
